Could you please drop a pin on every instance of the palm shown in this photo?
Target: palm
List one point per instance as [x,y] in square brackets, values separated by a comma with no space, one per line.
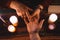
[33,24]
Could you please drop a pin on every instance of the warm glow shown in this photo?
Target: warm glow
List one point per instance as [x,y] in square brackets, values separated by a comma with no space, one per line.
[53,17]
[14,20]
[11,28]
[51,27]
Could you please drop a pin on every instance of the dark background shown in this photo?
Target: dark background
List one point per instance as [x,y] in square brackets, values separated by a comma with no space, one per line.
[32,4]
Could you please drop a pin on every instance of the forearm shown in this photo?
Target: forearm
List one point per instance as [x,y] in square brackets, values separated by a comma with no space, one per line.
[14,5]
[17,5]
[34,36]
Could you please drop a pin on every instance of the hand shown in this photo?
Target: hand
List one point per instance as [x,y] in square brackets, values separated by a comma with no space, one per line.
[33,25]
[20,8]
[22,11]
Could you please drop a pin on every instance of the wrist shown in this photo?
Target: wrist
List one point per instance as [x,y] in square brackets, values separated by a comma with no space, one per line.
[34,36]
[30,34]
[34,32]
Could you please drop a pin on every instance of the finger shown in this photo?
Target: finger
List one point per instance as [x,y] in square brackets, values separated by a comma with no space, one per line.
[40,7]
[28,16]
[29,8]
[19,13]
[36,14]
[25,19]
[23,16]
[38,11]
[41,23]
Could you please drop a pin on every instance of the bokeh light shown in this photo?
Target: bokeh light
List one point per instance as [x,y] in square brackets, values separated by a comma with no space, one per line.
[11,28]
[51,27]
[14,20]
[53,17]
